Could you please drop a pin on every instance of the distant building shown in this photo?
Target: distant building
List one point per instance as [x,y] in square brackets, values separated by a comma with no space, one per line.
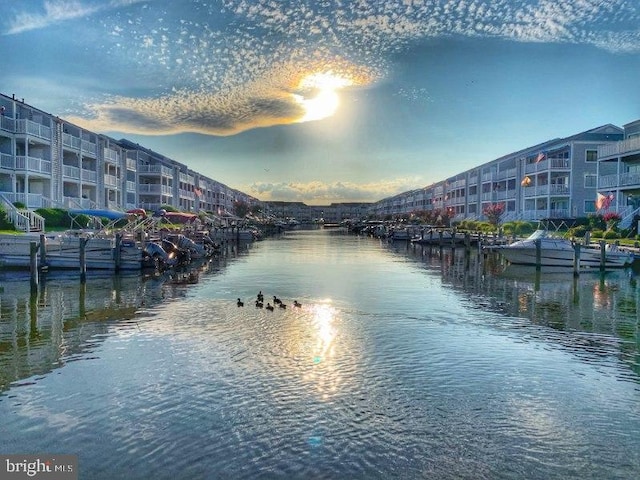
[557,179]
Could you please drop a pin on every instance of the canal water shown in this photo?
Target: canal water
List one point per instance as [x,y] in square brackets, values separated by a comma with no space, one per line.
[402,362]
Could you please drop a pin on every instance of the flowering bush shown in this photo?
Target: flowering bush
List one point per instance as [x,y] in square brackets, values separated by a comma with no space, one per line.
[493,212]
[612,219]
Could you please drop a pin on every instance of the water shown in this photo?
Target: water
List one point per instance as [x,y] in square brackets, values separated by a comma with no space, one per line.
[401,363]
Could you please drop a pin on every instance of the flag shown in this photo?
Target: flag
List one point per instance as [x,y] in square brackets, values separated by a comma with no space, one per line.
[526,181]
[603,201]
[541,156]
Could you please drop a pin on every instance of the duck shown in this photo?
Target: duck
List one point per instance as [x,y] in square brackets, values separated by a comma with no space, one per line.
[269,307]
[296,304]
[260,296]
[282,305]
[276,300]
[240,303]
[259,304]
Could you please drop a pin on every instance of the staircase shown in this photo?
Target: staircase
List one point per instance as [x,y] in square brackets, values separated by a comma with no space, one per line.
[23,219]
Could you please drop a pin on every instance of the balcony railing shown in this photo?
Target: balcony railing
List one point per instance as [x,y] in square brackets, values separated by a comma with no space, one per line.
[89,147]
[630,179]
[110,156]
[131,186]
[71,172]
[628,146]
[161,169]
[7,123]
[32,128]
[110,181]
[32,164]
[132,164]
[71,141]
[89,176]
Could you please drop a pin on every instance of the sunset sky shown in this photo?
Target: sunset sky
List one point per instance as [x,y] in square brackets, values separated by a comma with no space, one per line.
[326,100]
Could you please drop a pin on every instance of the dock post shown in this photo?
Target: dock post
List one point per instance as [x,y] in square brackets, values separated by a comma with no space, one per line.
[118,251]
[43,252]
[603,255]
[576,259]
[33,262]
[538,243]
[83,259]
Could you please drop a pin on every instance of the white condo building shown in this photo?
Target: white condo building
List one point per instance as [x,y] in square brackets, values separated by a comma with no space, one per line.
[46,161]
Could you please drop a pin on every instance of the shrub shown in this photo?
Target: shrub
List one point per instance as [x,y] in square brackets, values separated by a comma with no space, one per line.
[4,221]
[55,217]
[611,234]
[596,233]
[578,231]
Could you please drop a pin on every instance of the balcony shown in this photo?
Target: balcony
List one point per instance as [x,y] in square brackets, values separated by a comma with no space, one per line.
[111,181]
[110,156]
[71,141]
[89,147]
[132,164]
[89,176]
[34,129]
[156,169]
[27,164]
[625,147]
[7,123]
[622,180]
[71,172]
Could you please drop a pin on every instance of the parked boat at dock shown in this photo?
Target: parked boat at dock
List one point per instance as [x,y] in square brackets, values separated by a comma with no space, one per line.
[560,252]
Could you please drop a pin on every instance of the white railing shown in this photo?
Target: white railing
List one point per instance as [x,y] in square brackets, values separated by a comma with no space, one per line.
[132,164]
[619,148]
[32,164]
[110,181]
[71,172]
[89,147]
[70,141]
[7,123]
[89,176]
[23,219]
[629,179]
[110,156]
[32,128]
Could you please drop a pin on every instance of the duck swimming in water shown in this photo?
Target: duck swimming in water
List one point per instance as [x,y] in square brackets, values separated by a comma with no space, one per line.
[258,304]
[269,307]
[296,304]
[240,303]
[276,300]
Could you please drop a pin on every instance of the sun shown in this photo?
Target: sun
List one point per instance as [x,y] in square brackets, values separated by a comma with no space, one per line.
[326,101]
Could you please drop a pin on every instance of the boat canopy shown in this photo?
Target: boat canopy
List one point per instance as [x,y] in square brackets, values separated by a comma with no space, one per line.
[110,214]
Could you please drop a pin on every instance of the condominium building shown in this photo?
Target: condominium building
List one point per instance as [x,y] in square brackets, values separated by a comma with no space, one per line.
[557,179]
[46,161]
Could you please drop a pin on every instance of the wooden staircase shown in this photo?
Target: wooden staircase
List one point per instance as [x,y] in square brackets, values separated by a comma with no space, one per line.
[24,219]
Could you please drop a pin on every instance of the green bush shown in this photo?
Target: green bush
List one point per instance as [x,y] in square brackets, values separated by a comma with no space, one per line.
[55,217]
[578,231]
[610,234]
[4,221]
[597,233]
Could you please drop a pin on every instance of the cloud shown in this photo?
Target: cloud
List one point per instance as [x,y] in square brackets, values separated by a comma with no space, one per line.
[56,11]
[220,68]
[322,193]
[272,99]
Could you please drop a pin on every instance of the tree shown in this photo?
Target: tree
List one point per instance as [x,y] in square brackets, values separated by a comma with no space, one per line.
[240,208]
[493,212]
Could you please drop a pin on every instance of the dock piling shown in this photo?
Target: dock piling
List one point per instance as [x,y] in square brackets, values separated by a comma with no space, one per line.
[33,262]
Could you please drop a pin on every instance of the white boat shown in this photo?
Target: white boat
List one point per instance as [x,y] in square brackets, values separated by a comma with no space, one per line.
[560,252]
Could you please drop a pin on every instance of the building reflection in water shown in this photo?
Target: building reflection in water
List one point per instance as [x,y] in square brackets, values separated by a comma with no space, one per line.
[65,318]
[596,311]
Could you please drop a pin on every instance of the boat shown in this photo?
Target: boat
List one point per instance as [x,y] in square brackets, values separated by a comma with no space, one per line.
[560,252]
[439,236]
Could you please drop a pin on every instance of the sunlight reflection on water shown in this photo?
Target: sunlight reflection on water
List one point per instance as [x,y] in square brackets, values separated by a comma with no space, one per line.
[399,363]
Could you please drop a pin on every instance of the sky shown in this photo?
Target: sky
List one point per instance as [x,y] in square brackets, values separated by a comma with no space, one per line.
[324,101]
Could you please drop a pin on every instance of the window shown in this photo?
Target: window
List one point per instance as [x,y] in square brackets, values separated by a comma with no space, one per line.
[592,155]
[589,206]
[590,181]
